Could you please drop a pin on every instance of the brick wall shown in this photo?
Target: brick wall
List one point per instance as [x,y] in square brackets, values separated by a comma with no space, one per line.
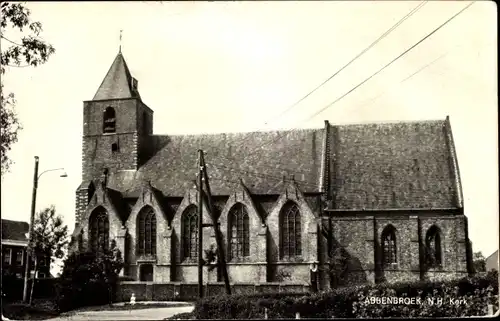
[175,291]
[246,272]
[99,155]
[126,115]
[355,238]
[361,238]
[309,235]
[101,199]
[360,235]
[83,195]
[407,247]
[253,267]
[130,136]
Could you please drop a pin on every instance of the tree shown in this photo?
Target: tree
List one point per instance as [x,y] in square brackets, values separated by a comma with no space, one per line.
[211,258]
[89,278]
[28,51]
[338,266]
[49,239]
[479,262]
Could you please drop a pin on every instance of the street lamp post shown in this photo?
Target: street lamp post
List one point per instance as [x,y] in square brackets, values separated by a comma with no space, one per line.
[36,177]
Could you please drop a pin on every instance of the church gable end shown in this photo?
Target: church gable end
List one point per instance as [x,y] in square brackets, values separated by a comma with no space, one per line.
[243,228]
[101,211]
[292,199]
[181,228]
[148,220]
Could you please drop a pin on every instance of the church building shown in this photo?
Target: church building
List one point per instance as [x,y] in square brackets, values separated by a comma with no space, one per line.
[366,203]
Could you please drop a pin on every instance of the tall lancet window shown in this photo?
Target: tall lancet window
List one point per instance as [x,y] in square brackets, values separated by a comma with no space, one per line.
[389,245]
[109,120]
[146,225]
[190,232]
[240,231]
[291,242]
[433,247]
[99,230]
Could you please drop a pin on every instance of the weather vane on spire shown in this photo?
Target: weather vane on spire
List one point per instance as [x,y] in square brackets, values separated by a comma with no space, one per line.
[121,30]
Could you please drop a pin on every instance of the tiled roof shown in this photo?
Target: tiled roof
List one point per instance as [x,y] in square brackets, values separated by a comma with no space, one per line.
[492,261]
[259,159]
[370,166]
[373,166]
[396,165]
[118,83]
[14,230]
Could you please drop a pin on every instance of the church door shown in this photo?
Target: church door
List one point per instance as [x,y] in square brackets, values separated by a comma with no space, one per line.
[146,273]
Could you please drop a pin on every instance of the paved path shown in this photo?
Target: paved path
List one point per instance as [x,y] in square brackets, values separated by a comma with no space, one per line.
[138,314]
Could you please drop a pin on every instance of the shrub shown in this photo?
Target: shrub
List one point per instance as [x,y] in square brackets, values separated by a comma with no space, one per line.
[182,316]
[88,279]
[40,309]
[243,306]
[352,302]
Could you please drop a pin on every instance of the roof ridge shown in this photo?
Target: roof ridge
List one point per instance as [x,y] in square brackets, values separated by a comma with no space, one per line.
[295,130]
[382,122]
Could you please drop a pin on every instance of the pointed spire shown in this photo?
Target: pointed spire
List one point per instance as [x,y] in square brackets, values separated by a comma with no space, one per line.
[118,82]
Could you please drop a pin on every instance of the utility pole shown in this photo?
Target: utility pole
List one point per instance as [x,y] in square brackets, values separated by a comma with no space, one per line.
[30,232]
[200,224]
[215,225]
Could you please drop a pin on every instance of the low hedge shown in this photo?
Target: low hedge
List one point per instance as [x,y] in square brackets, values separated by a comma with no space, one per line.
[473,295]
[243,306]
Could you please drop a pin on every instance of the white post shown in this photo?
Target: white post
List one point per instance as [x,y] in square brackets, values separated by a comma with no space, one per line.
[490,309]
[297,315]
[265,313]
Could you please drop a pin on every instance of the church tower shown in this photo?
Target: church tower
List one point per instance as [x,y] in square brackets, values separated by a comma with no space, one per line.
[117,127]
[116,124]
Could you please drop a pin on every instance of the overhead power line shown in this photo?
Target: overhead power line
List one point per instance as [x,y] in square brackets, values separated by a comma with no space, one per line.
[336,183]
[370,77]
[305,171]
[371,100]
[390,63]
[385,34]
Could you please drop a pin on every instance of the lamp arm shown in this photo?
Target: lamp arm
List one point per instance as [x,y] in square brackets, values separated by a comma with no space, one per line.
[50,170]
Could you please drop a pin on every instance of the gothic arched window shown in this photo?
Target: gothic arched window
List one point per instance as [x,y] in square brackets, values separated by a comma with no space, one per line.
[99,230]
[109,120]
[291,242]
[190,231]
[389,245]
[146,231]
[239,231]
[433,247]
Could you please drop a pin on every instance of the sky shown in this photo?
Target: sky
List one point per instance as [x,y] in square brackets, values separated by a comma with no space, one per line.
[235,66]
